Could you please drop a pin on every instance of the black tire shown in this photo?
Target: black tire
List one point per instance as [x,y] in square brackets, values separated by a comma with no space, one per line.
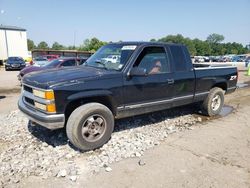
[80,125]
[214,102]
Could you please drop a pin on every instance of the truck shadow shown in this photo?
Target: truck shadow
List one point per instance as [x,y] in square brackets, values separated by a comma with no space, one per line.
[59,137]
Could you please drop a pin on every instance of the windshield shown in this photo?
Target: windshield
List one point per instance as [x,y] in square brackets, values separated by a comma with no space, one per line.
[15,59]
[53,63]
[111,56]
[40,59]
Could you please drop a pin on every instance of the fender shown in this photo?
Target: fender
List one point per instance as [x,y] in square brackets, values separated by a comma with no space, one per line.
[220,82]
[85,94]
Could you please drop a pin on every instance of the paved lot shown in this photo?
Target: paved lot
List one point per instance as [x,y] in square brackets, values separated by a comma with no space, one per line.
[8,81]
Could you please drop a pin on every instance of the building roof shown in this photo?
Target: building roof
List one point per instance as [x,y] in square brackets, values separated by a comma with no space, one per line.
[14,28]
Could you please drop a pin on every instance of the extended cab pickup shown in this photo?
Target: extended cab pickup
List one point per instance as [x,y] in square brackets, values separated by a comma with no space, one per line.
[148,77]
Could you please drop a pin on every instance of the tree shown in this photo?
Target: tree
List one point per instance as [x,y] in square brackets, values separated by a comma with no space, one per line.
[202,47]
[57,46]
[180,40]
[215,38]
[92,45]
[42,45]
[31,44]
[71,48]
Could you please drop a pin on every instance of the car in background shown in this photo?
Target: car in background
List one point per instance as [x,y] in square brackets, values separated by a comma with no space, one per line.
[57,63]
[112,59]
[247,61]
[40,61]
[51,57]
[15,63]
[199,59]
[237,58]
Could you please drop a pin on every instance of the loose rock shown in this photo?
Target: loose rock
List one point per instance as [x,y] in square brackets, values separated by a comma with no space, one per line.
[108,169]
[141,162]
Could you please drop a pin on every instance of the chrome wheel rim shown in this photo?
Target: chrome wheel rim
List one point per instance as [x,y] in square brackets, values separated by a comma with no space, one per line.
[216,102]
[93,128]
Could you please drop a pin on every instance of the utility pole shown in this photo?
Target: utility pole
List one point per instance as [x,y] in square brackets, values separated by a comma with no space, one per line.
[74,39]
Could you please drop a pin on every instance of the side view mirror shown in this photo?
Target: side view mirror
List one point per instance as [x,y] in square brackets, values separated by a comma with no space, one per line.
[136,71]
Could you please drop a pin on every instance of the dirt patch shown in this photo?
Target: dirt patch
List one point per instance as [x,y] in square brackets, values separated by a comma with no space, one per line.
[10,90]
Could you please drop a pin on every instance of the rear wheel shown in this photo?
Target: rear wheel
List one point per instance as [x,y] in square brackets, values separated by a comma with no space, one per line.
[214,102]
[90,126]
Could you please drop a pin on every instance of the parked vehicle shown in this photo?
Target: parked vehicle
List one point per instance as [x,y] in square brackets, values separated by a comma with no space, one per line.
[15,63]
[112,59]
[51,57]
[40,61]
[149,77]
[247,61]
[199,59]
[57,63]
[235,59]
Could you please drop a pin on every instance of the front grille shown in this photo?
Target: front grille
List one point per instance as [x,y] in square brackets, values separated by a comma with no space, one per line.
[27,88]
[29,101]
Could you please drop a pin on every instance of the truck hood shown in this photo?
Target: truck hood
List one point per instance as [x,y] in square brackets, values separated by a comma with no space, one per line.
[48,78]
[30,69]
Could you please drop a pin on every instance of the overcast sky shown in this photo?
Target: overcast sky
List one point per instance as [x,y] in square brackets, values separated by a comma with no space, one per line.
[127,20]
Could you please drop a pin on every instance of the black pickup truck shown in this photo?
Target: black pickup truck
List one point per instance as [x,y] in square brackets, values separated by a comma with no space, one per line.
[120,80]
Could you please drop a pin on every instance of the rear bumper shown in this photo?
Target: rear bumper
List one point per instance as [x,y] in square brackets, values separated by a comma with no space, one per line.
[53,121]
[231,90]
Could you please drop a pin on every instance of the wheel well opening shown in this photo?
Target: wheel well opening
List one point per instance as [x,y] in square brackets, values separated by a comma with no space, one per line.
[105,100]
[221,85]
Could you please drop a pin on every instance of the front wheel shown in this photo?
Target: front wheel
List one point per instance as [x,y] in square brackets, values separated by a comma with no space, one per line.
[214,102]
[90,126]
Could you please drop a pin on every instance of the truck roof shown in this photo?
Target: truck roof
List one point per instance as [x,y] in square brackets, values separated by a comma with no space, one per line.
[138,43]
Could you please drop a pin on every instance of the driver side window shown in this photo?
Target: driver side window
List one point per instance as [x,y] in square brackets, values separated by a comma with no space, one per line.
[154,60]
[69,63]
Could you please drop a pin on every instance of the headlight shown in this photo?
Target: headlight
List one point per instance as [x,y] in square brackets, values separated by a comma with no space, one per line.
[49,95]
[46,107]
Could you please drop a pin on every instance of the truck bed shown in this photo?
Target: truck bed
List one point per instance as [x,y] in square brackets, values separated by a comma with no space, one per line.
[201,65]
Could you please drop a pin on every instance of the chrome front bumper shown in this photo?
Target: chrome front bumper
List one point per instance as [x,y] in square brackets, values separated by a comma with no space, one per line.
[50,121]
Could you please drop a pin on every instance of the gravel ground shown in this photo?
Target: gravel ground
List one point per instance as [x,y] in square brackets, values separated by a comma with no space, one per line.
[28,150]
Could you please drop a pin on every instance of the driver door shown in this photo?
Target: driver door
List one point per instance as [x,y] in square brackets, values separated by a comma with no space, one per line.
[153,89]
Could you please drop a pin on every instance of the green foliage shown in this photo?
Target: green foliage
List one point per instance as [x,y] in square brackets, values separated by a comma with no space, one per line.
[213,46]
[31,44]
[179,39]
[92,45]
[202,47]
[57,46]
[43,45]
[215,38]
[71,48]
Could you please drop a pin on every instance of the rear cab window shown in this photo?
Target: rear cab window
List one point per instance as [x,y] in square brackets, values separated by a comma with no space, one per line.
[179,58]
[69,63]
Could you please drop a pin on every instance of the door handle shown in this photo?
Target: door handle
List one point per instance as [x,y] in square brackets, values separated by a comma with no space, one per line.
[170,81]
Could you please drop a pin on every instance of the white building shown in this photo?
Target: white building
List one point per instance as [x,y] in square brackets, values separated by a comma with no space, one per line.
[13,42]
